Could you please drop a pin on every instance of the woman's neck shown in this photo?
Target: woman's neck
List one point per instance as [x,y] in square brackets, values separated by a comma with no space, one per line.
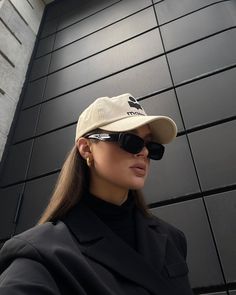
[114,196]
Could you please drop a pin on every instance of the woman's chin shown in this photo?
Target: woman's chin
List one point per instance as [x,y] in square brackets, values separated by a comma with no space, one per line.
[137,185]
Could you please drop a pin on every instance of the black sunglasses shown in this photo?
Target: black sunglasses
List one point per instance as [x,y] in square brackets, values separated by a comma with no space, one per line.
[131,143]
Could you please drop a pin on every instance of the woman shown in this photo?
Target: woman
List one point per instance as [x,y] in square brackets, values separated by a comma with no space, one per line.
[96,236]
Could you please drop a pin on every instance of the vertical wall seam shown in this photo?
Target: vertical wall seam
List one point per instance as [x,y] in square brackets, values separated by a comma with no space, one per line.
[195,167]
[38,116]
[17,211]
[173,85]
[172,81]
[215,243]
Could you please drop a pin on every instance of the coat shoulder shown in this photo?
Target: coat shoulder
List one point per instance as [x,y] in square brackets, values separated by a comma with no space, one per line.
[32,243]
[174,234]
[166,227]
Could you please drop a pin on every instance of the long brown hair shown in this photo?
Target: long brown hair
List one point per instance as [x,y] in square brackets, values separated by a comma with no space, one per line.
[72,185]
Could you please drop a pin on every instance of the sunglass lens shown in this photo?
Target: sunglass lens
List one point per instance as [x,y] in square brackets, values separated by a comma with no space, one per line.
[131,143]
[155,150]
[134,144]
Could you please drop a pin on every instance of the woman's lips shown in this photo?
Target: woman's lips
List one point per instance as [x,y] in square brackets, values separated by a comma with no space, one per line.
[139,169]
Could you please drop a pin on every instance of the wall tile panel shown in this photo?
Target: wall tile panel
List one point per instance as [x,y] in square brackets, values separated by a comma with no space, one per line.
[164,104]
[173,176]
[209,99]
[36,197]
[34,93]
[49,28]
[127,54]
[222,213]
[26,124]
[215,160]
[170,9]
[16,164]
[203,57]
[103,39]
[45,45]
[50,151]
[140,80]
[61,111]
[99,20]
[200,24]
[8,206]
[40,67]
[191,218]
[83,9]
[54,10]
[66,109]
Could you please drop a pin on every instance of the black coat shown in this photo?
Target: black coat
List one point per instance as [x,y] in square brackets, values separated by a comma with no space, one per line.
[80,255]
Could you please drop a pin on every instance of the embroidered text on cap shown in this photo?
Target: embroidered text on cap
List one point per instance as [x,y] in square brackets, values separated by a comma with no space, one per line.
[134,104]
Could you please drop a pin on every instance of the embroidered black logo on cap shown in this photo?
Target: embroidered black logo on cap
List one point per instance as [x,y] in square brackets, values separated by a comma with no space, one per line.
[134,104]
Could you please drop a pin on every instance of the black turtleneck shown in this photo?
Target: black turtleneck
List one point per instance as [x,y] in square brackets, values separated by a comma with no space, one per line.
[120,219]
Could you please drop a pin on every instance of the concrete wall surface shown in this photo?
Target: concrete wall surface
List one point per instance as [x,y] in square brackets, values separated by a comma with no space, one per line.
[19,24]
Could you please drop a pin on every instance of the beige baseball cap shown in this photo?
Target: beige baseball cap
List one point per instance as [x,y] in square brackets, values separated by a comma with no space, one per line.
[123,113]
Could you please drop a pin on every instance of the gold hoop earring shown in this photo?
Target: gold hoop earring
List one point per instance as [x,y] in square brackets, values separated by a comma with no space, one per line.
[89,162]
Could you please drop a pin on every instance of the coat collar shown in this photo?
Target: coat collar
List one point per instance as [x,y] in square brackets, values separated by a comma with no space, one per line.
[100,244]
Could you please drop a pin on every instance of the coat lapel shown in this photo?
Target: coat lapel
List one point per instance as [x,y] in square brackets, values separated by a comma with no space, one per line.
[150,242]
[100,244]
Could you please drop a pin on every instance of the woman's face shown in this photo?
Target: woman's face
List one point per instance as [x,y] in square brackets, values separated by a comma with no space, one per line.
[114,170]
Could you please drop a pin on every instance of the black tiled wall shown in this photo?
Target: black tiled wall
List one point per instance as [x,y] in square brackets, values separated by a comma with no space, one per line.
[178,58]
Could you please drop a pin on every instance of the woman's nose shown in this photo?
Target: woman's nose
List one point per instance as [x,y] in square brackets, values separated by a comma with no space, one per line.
[143,152]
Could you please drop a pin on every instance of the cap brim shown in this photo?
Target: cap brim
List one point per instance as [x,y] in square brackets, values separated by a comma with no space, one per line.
[163,128]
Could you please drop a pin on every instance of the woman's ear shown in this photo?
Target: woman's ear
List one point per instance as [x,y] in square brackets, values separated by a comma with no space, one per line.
[83,146]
